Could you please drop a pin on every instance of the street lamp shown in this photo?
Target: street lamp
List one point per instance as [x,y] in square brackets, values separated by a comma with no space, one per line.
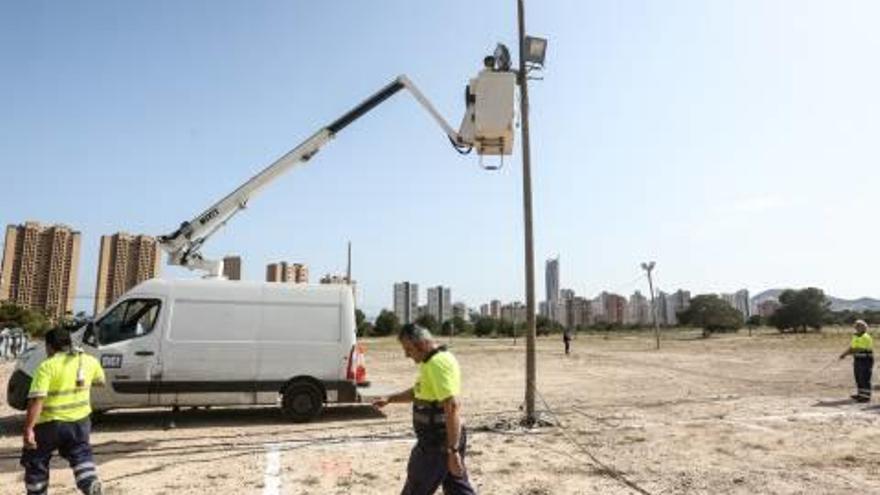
[648,267]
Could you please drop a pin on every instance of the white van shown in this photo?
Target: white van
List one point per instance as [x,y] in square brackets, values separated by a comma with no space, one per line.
[220,342]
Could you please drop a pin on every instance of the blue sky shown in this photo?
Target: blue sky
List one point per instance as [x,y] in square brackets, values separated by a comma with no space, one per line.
[735,143]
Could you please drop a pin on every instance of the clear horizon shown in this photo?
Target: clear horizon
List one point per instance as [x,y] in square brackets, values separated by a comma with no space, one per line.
[734,144]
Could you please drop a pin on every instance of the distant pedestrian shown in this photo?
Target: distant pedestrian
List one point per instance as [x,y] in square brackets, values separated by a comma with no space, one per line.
[862,349]
[438,456]
[566,339]
[58,415]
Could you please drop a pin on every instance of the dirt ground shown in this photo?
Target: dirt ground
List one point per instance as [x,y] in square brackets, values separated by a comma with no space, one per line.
[730,414]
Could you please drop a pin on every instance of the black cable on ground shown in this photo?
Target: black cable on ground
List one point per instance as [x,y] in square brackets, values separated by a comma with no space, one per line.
[610,470]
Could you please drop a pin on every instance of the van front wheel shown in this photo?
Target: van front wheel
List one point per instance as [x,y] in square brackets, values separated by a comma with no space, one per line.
[301,402]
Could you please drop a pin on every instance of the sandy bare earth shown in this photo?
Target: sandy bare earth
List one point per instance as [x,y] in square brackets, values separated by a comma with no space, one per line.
[731,414]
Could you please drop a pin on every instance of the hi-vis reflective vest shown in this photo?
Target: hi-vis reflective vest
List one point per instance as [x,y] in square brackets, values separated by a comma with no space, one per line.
[862,345]
[439,379]
[63,381]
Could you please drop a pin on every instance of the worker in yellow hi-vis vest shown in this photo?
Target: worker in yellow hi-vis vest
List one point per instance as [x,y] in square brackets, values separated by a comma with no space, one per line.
[438,456]
[862,349]
[58,415]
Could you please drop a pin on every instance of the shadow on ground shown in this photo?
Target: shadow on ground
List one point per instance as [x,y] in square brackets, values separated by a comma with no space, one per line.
[169,427]
[165,419]
[186,418]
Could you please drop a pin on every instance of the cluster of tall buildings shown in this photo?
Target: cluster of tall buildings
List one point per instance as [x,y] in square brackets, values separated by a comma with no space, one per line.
[570,310]
[439,303]
[41,262]
[40,268]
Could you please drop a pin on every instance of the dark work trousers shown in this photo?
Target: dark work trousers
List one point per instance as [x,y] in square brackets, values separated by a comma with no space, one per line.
[567,341]
[72,442]
[862,367]
[428,470]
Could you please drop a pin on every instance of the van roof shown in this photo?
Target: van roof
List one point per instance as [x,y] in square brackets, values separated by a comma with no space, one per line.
[163,286]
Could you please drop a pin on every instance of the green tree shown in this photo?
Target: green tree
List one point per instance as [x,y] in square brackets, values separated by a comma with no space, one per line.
[363,327]
[801,309]
[33,322]
[546,326]
[754,322]
[428,321]
[504,328]
[386,324]
[484,326]
[709,312]
[447,328]
[462,327]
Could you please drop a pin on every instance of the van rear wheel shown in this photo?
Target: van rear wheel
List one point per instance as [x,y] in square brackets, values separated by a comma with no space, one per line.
[301,402]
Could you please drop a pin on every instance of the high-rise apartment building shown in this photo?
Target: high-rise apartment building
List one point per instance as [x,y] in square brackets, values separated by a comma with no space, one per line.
[661,308]
[514,312]
[614,307]
[440,303]
[676,302]
[551,285]
[232,267]
[495,308]
[638,310]
[406,302]
[283,271]
[124,261]
[576,312]
[460,310]
[40,266]
[739,301]
[484,310]
[742,303]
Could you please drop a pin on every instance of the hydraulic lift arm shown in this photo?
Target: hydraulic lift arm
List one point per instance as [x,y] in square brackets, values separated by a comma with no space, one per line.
[184,244]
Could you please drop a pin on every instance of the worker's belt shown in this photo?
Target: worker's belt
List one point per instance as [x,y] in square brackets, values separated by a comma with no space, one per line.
[429,422]
[425,419]
[863,354]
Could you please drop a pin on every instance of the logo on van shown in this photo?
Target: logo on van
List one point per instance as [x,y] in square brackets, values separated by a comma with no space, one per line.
[208,216]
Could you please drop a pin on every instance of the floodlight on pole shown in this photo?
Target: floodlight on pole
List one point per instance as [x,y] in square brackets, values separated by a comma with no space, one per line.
[535,50]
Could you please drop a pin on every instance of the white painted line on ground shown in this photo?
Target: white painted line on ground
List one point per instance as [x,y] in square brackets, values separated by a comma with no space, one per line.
[272,474]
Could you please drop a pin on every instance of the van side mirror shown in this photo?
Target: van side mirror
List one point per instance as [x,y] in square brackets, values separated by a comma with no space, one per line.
[90,336]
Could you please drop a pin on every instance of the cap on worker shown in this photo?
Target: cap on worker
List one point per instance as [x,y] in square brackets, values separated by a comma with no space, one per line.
[860,326]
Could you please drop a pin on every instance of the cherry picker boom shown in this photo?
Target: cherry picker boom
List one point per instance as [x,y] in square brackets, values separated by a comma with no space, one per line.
[487,126]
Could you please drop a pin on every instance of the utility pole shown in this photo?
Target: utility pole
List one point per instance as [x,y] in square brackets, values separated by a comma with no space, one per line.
[648,267]
[522,78]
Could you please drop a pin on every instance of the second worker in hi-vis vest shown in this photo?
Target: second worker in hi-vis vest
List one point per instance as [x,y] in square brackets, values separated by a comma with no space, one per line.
[862,349]
[438,456]
[58,410]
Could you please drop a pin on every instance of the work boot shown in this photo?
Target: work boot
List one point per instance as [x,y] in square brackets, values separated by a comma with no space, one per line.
[96,488]
[855,396]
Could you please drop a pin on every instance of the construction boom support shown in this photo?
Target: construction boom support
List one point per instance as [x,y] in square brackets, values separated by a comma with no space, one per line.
[184,244]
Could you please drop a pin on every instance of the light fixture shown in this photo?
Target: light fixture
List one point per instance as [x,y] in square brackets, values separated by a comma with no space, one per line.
[535,50]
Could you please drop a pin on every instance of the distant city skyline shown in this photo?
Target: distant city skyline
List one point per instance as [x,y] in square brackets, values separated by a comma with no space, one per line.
[129,250]
[720,139]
